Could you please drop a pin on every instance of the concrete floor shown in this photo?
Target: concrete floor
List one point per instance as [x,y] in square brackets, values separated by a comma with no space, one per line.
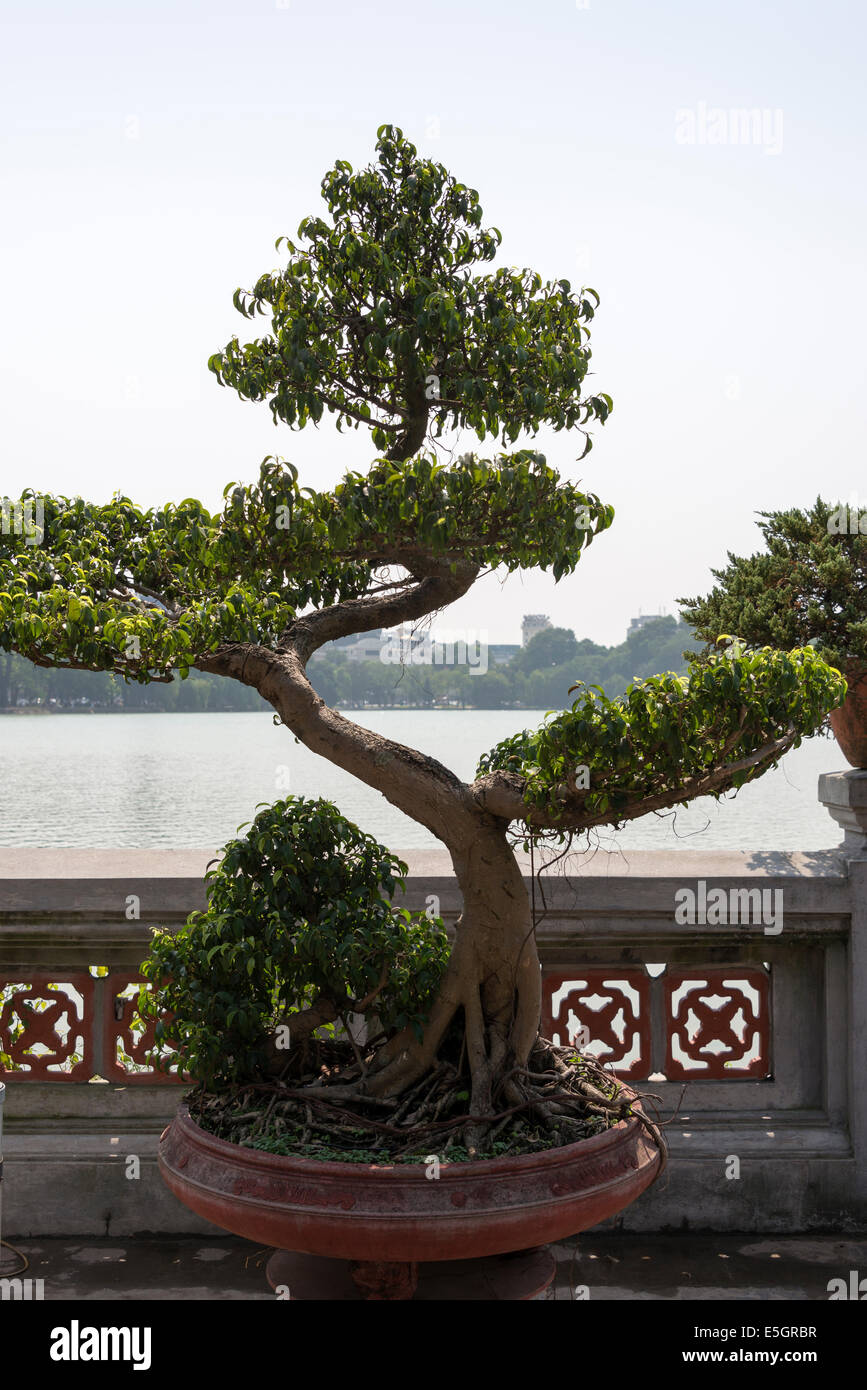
[627,1267]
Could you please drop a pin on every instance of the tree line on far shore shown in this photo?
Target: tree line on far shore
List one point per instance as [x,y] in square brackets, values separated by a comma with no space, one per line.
[538,676]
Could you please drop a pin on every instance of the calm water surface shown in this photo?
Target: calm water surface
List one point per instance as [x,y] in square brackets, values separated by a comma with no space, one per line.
[190,780]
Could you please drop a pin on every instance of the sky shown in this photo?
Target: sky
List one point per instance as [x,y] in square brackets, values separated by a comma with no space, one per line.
[150,155]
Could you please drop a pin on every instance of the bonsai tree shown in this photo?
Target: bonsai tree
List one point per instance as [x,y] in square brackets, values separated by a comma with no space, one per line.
[384,316]
[807,588]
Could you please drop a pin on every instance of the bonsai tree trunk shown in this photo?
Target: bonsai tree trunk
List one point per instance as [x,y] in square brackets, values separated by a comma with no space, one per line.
[493,976]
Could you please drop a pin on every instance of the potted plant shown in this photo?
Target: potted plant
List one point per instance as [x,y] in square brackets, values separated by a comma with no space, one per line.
[382,317]
[301,943]
[807,588]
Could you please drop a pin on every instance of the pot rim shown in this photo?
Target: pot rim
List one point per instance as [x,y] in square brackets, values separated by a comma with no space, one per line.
[411,1172]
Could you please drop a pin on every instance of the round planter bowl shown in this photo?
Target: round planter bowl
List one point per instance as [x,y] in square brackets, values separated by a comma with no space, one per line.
[355,1211]
[849,721]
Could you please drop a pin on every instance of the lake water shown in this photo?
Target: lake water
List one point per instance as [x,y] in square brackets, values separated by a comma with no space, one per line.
[189,780]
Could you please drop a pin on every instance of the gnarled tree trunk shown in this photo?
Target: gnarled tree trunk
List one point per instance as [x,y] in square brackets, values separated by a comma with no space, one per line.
[493,977]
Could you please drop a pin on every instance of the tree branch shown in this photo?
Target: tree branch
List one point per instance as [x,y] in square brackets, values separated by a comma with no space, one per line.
[502,794]
[431,591]
[418,785]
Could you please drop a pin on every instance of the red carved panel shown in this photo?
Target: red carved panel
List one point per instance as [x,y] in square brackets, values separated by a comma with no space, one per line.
[123,1032]
[603,1000]
[64,1027]
[717,1024]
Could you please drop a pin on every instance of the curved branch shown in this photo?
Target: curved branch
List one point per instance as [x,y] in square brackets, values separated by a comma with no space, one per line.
[418,785]
[424,594]
[502,794]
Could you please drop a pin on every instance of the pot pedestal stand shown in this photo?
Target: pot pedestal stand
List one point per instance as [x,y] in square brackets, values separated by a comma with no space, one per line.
[521,1276]
[844,794]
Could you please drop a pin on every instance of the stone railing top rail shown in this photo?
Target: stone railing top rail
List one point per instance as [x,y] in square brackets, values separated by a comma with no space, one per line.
[59,895]
[124,864]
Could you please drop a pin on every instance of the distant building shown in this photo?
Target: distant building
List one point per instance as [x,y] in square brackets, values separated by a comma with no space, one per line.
[366,648]
[351,641]
[418,647]
[637,623]
[533,623]
[355,648]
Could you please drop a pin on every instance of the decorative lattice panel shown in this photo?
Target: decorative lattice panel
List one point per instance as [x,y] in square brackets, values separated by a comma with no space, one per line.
[86,1027]
[46,1027]
[718,1023]
[605,1011]
[715,1024]
[127,1038]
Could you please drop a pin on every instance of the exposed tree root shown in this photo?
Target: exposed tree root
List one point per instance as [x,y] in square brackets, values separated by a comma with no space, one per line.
[559,1097]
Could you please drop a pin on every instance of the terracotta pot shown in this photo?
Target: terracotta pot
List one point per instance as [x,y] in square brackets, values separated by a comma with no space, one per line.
[354,1211]
[849,721]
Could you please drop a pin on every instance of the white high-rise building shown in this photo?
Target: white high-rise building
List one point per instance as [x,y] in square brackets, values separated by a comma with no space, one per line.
[533,623]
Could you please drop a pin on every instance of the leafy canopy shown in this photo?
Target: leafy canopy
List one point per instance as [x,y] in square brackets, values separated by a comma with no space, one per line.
[381,318]
[298,909]
[809,586]
[668,732]
[116,588]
